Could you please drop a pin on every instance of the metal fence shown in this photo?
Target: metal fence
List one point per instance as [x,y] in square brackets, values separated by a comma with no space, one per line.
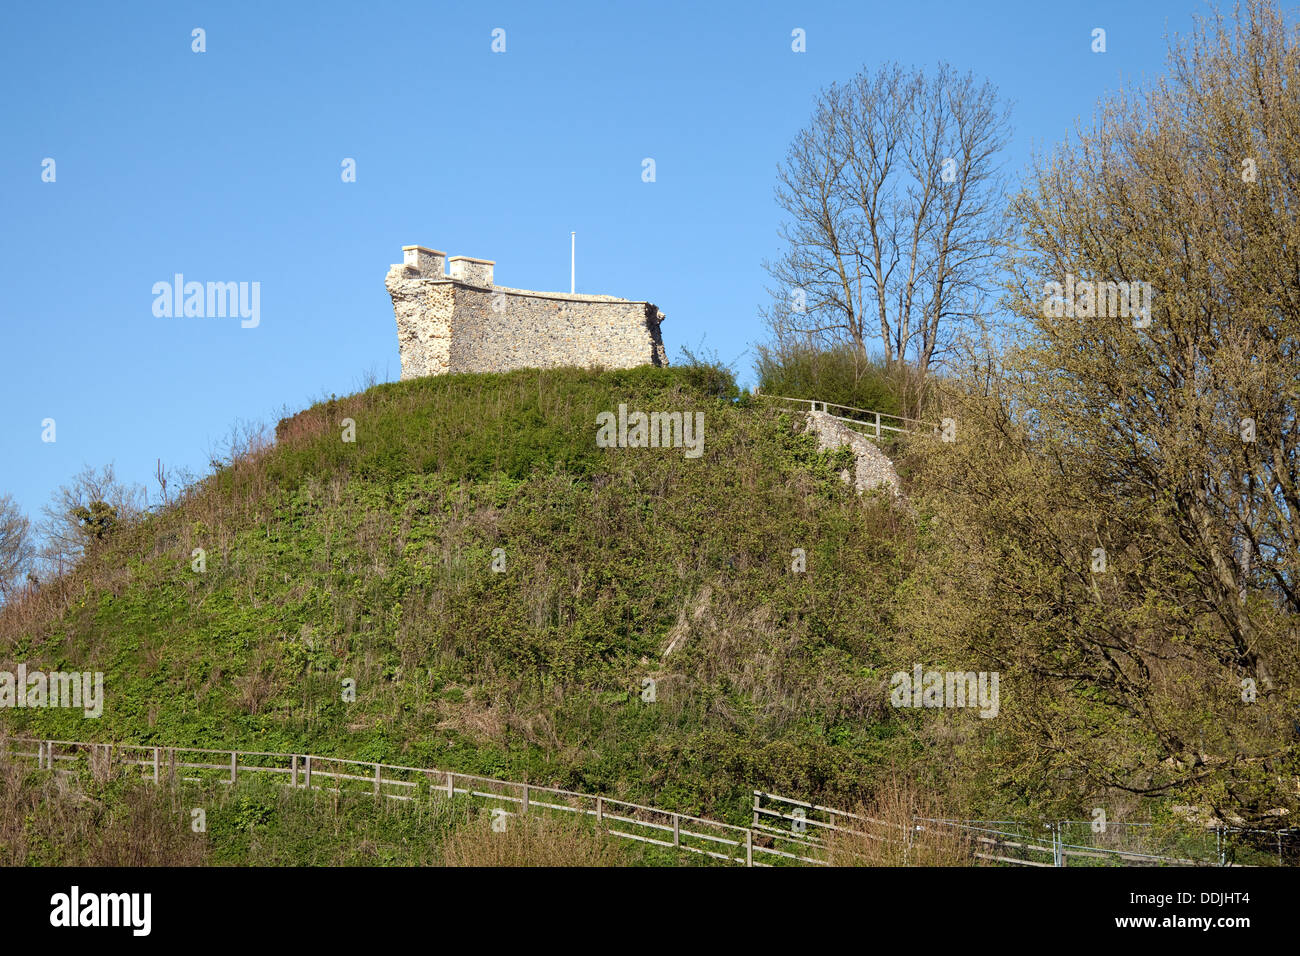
[1057,843]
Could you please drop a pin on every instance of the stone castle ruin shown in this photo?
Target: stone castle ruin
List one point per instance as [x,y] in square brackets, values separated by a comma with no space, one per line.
[463,322]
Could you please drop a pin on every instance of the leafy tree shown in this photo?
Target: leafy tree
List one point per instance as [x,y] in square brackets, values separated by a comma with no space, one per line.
[839,374]
[1124,497]
[98,521]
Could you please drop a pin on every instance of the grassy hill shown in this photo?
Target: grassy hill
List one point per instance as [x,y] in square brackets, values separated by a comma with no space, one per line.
[372,561]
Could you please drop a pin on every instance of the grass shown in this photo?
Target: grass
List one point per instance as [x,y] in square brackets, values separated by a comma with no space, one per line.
[69,819]
[887,832]
[370,562]
[473,585]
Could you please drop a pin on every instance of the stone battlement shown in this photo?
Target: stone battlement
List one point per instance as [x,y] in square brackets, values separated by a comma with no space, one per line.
[461,321]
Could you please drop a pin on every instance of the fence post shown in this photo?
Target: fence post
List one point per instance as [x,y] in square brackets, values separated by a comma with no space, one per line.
[155,765]
[677,830]
[756,803]
[451,784]
[307,772]
[293,778]
[234,765]
[749,848]
[600,812]
[877,425]
[171,765]
[377,779]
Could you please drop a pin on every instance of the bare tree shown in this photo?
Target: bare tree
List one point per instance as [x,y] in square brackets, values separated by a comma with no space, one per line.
[894,222]
[160,475]
[84,511]
[16,548]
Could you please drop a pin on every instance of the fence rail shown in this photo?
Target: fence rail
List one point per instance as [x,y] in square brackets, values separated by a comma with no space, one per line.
[618,818]
[783,830]
[1013,843]
[878,423]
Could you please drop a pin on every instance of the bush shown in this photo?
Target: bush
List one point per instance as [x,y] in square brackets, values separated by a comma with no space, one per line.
[840,375]
[708,374]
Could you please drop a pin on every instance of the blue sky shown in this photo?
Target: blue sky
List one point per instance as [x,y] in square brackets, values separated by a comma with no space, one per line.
[225,166]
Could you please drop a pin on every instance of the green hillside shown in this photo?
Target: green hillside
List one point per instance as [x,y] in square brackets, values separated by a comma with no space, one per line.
[372,561]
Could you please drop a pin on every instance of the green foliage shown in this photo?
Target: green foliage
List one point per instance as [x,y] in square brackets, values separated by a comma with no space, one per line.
[707,374]
[1170,665]
[97,521]
[125,821]
[840,375]
[372,561]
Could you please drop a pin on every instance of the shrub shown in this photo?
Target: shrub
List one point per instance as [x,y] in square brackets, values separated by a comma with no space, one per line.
[840,375]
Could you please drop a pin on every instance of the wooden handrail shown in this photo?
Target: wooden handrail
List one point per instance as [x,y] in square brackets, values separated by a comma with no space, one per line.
[814,402]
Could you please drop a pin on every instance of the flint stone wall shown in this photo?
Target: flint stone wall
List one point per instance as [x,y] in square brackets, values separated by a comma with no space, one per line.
[872,470]
[465,323]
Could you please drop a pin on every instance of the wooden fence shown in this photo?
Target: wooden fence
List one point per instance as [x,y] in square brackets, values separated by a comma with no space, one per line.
[619,818]
[876,423]
[783,831]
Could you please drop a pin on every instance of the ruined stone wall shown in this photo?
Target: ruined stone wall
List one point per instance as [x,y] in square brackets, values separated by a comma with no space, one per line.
[873,467]
[465,323]
[424,310]
[524,329]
